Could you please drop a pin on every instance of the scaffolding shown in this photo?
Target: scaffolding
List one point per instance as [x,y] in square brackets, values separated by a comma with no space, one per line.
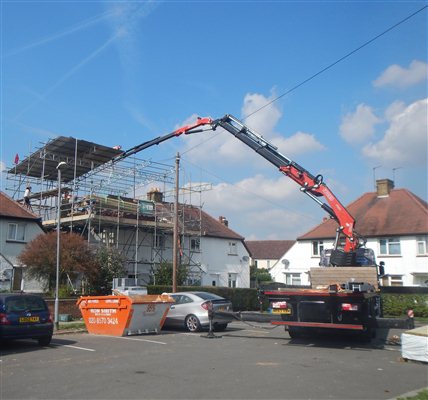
[102,199]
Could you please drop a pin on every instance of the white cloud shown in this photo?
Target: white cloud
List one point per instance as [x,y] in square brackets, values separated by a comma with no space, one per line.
[265,120]
[268,208]
[2,166]
[358,127]
[397,107]
[225,148]
[405,141]
[299,143]
[400,77]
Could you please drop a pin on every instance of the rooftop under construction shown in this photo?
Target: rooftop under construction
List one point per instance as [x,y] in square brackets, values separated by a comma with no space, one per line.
[106,197]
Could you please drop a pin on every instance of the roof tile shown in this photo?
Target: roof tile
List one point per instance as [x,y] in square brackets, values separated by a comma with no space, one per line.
[268,249]
[12,209]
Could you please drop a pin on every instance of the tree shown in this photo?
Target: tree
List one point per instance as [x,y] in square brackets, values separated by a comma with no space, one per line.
[76,258]
[110,265]
[258,275]
[163,275]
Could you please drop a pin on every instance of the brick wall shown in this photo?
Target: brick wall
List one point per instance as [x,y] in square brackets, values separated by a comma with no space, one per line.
[65,306]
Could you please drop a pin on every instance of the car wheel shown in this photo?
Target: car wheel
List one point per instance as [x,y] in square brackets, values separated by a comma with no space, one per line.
[192,323]
[220,327]
[45,340]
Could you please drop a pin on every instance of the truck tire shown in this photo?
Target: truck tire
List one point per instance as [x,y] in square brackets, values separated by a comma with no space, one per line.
[368,334]
[296,333]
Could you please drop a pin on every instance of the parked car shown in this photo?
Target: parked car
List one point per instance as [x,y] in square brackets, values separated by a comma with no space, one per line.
[131,290]
[190,311]
[25,316]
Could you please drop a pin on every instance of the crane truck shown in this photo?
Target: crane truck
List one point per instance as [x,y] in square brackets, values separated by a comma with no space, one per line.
[350,306]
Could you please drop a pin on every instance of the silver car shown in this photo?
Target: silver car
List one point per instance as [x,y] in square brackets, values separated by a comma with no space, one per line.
[191,311]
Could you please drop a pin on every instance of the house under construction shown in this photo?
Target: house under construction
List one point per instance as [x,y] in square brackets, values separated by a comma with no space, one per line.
[98,194]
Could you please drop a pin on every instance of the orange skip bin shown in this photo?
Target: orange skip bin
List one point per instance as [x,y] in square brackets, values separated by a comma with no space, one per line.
[124,315]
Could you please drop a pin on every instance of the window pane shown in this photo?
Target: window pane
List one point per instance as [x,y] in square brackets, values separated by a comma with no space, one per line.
[315,248]
[21,232]
[422,245]
[11,233]
[394,248]
[296,279]
[383,249]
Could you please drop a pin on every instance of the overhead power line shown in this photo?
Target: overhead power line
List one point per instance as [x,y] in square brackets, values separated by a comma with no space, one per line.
[337,61]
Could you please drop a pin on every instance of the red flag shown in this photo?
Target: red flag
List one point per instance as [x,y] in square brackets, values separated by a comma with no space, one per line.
[16,159]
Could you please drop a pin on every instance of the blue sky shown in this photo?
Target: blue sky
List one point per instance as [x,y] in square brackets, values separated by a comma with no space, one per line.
[125,72]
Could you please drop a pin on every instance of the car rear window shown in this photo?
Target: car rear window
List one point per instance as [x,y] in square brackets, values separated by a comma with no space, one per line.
[208,296]
[24,303]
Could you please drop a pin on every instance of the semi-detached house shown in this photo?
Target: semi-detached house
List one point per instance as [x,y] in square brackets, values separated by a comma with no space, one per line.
[395,224]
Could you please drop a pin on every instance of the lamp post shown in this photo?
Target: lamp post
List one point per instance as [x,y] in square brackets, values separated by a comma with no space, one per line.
[58,227]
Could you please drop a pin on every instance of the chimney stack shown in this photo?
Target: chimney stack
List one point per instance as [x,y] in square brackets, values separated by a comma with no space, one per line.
[384,187]
[223,220]
[155,195]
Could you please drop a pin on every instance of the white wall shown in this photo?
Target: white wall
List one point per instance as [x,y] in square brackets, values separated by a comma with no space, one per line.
[214,258]
[301,260]
[216,262]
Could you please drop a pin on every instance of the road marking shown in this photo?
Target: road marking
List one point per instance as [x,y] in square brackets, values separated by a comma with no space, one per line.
[138,339]
[71,347]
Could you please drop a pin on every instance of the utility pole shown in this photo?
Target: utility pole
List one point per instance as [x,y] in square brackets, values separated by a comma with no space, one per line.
[175,235]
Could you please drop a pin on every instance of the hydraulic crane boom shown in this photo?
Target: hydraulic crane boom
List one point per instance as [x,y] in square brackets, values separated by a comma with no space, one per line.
[312,186]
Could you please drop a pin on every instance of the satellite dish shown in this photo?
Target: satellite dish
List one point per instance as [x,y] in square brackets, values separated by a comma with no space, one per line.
[245,258]
[285,262]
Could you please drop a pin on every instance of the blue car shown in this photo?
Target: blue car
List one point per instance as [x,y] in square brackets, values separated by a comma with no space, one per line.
[25,316]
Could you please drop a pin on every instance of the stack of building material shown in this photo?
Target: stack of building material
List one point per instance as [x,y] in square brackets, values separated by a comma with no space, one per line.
[323,277]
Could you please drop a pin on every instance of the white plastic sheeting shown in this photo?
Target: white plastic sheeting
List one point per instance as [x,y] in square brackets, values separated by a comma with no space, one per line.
[414,344]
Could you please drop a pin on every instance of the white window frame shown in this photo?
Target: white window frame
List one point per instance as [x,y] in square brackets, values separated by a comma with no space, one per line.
[16,232]
[387,244]
[293,278]
[232,280]
[393,280]
[233,249]
[422,245]
[317,246]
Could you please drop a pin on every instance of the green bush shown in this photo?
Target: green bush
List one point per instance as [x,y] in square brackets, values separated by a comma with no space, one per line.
[396,305]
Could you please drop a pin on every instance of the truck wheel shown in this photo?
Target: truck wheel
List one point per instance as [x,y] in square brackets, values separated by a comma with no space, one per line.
[295,333]
[367,335]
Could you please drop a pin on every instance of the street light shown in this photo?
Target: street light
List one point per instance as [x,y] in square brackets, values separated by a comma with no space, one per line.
[58,227]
